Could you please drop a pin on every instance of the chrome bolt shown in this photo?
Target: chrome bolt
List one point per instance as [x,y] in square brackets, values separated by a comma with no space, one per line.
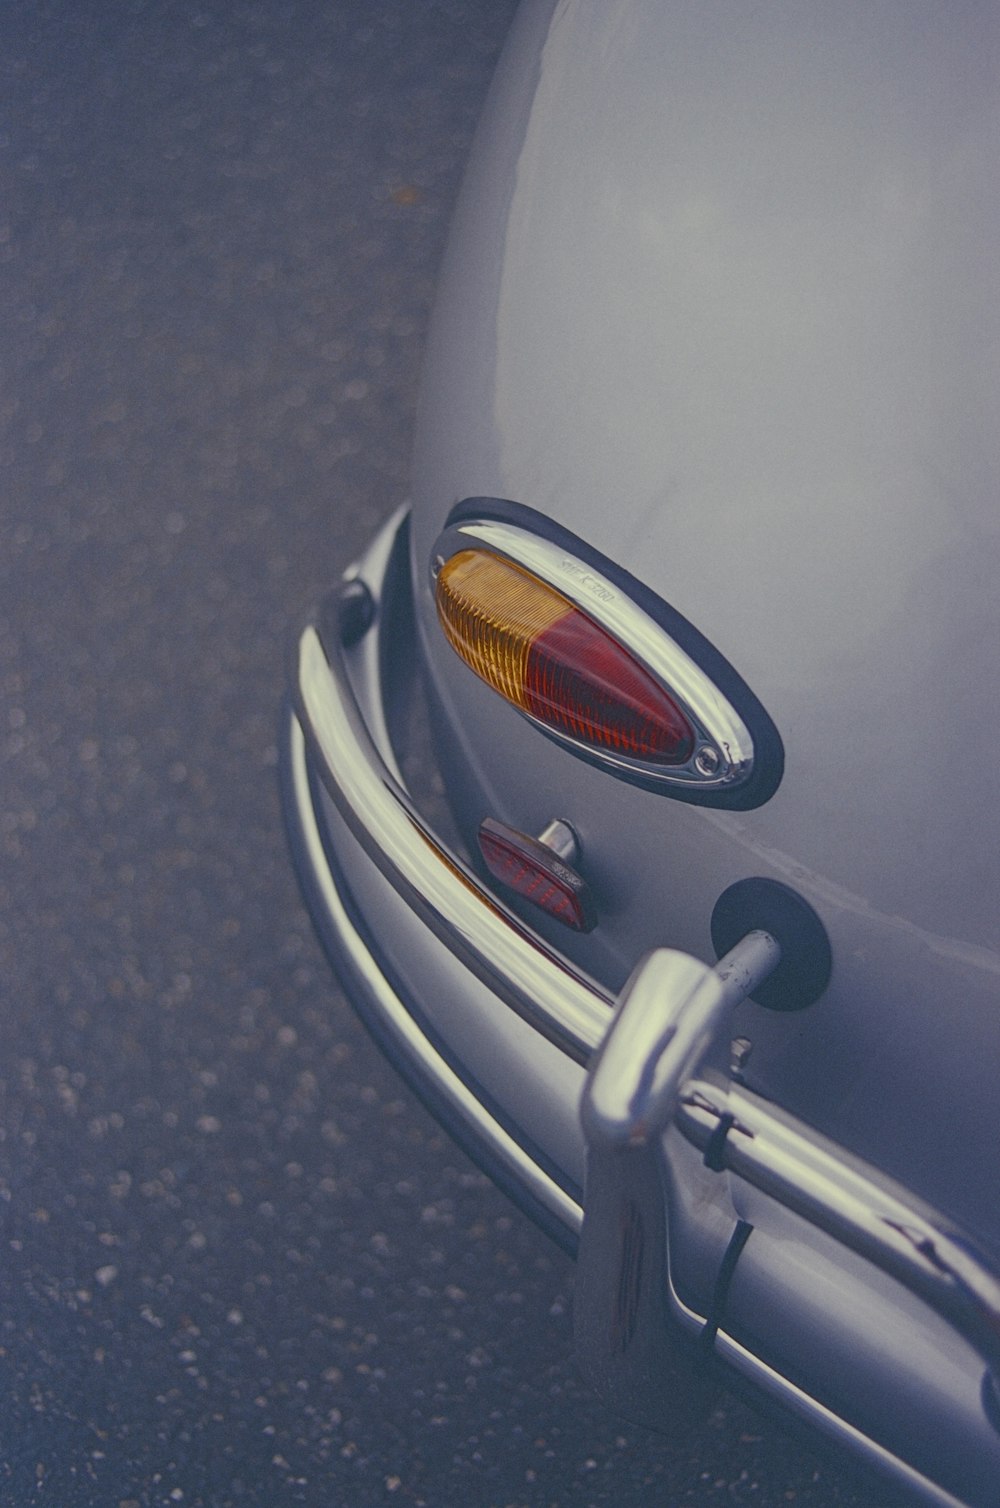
[562,840]
[707,761]
[739,1055]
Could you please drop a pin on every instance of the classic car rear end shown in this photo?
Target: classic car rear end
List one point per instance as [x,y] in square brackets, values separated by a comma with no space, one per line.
[709,399]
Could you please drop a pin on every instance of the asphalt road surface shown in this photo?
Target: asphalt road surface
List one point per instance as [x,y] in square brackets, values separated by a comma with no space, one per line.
[238,1261]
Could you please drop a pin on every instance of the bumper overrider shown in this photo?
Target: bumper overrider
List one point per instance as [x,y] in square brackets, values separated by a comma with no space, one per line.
[708,1226]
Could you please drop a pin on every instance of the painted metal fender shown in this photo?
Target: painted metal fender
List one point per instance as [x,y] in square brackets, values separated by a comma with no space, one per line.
[721,299]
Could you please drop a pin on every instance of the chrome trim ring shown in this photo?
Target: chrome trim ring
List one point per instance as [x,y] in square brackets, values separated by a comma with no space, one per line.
[723,754]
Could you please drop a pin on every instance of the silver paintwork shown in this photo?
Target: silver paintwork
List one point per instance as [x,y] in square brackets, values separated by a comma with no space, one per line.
[722,300]
[723,756]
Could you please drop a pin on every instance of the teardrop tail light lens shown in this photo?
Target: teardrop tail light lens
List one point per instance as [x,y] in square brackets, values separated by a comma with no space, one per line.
[597,661]
[551,660]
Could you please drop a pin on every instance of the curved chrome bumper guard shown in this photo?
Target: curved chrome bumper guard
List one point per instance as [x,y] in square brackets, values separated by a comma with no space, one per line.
[644,1080]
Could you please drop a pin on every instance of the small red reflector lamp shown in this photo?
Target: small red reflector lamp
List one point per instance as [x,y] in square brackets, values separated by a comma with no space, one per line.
[535,871]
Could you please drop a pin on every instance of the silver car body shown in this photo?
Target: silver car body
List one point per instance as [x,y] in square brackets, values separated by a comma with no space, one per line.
[720,301]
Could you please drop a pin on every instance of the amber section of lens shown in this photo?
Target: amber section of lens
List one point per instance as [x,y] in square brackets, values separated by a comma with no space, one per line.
[492,612]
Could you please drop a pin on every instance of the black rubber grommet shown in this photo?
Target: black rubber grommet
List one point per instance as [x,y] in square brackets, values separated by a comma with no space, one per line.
[760,905]
[352,608]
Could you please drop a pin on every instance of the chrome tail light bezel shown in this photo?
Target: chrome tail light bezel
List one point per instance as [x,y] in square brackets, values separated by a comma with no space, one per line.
[738,758]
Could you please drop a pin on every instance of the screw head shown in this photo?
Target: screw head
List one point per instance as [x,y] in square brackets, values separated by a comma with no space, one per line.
[707,761]
[739,1054]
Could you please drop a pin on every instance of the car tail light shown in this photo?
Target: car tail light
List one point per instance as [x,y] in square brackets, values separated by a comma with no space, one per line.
[597,661]
[548,657]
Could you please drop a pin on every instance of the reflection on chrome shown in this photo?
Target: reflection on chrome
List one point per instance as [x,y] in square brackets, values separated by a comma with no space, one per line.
[559,1000]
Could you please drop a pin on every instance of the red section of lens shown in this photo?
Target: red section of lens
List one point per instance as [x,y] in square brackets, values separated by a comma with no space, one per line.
[532,876]
[579,680]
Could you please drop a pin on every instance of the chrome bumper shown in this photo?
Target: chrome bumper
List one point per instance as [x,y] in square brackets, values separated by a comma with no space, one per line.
[473,1000]
[460,994]
[392,1021]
